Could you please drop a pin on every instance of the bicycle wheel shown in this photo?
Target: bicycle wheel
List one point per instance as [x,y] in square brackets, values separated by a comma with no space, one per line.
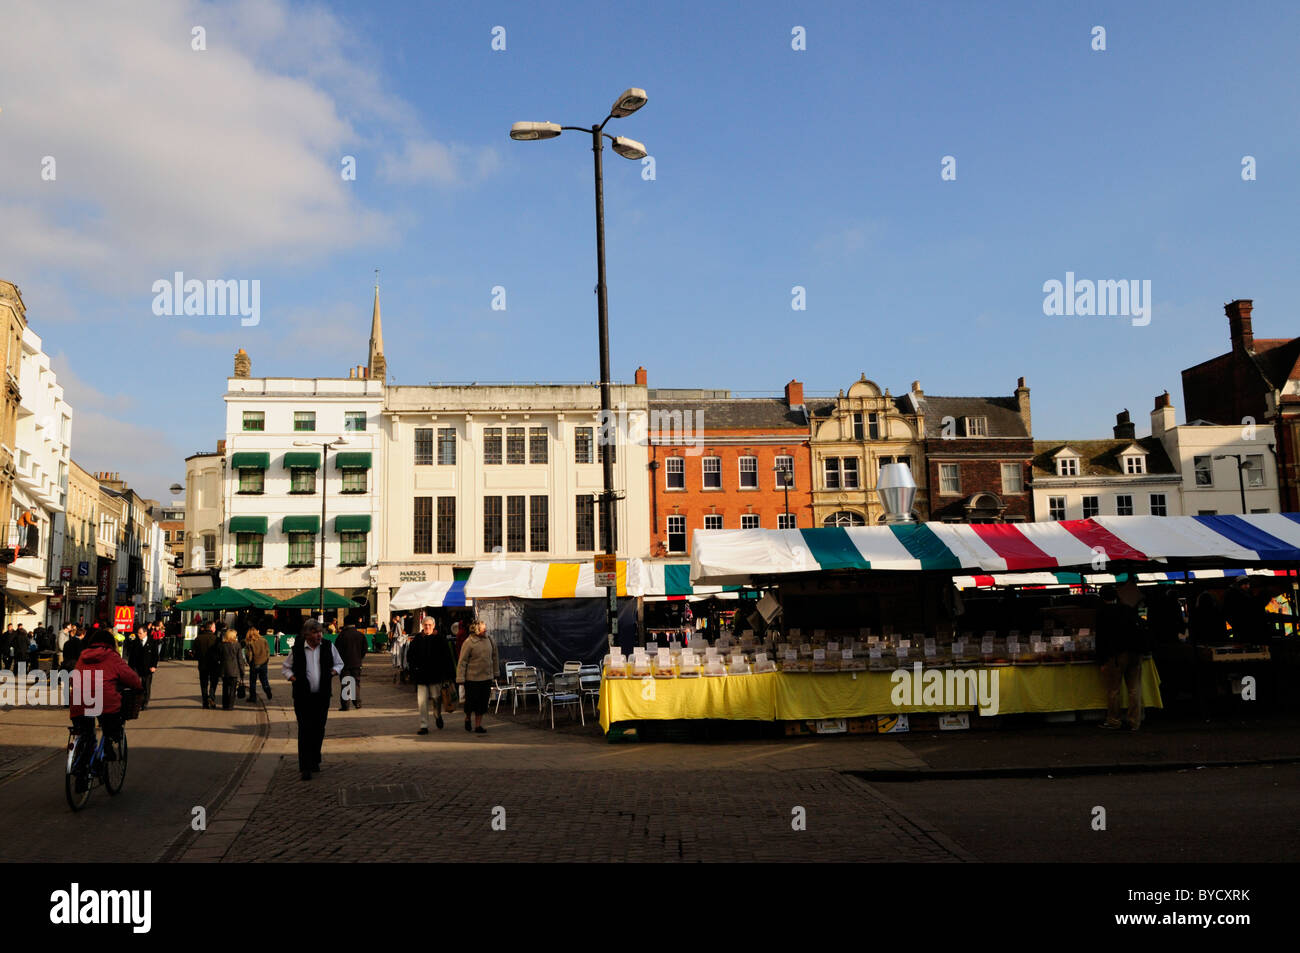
[115,771]
[76,766]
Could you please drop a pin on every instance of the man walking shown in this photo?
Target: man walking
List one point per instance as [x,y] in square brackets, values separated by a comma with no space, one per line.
[310,667]
[351,646]
[432,668]
[209,668]
[1120,645]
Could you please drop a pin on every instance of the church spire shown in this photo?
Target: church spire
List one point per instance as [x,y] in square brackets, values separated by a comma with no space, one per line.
[377,365]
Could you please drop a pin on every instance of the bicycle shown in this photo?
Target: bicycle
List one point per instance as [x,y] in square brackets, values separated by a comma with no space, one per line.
[91,762]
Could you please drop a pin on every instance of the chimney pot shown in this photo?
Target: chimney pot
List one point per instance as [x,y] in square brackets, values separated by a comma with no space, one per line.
[794,394]
[1238,312]
[1124,427]
[640,377]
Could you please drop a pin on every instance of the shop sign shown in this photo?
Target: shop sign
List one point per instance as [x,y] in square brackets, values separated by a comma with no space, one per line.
[65,572]
[412,575]
[891,724]
[83,569]
[606,571]
[124,618]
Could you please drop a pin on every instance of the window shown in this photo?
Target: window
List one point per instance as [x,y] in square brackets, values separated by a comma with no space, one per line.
[850,465]
[302,549]
[1207,512]
[831,473]
[1013,478]
[354,421]
[1204,470]
[844,518]
[1158,505]
[446,524]
[677,534]
[749,473]
[950,478]
[784,521]
[304,420]
[167,536]
[749,521]
[491,446]
[423,446]
[514,445]
[1091,506]
[539,525]
[675,473]
[1056,507]
[1067,466]
[712,521]
[977,426]
[352,549]
[423,542]
[492,524]
[582,445]
[784,472]
[254,420]
[1254,469]
[1134,464]
[302,480]
[859,431]
[1124,505]
[585,521]
[446,447]
[712,473]
[354,480]
[873,426]
[251,480]
[1265,510]
[882,462]
[209,550]
[180,536]
[248,550]
[515,524]
[537,445]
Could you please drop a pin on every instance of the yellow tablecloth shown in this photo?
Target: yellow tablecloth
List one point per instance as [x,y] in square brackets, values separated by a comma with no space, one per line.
[775,696]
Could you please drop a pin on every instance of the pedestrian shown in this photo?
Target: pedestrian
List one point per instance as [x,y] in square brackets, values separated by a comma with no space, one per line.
[432,670]
[65,633]
[209,659]
[476,669]
[1120,646]
[18,644]
[311,667]
[6,646]
[351,645]
[259,656]
[143,659]
[232,668]
[397,650]
[156,636]
[72,649]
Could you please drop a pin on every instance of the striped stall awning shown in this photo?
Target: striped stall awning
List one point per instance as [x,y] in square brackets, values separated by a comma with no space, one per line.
[730,557]
[520,579]
[417,595]
[1057,580]
[671,582]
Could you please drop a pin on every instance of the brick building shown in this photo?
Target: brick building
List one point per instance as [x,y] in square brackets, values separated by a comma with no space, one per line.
[977,457]
[717,462]
[1258,382]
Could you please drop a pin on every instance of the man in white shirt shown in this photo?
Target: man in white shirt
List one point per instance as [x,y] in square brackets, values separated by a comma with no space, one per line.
[310,667]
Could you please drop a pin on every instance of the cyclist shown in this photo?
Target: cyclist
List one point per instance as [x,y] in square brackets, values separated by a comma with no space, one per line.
[100,655]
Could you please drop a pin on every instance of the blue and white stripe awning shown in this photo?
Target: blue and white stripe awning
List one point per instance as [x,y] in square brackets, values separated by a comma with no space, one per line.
[418,595]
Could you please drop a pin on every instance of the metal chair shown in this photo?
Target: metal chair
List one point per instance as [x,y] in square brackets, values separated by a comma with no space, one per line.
[564,690]
[509,685]
[525,682]
[589,681]
[571,667]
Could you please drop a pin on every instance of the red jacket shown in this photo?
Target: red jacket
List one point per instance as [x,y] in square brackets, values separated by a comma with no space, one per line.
[117,673]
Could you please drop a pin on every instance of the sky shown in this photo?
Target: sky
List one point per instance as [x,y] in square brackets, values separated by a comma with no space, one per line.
[774,168]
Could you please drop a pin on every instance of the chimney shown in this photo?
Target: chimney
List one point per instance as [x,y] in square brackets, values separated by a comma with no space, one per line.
[794,394]
[640,377]
[221,447]
[1022,403]
[1162,416]
[916,389]
[243,366]
[1238,312]
[1124,429]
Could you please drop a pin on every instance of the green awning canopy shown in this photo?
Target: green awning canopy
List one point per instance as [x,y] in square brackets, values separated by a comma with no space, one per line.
[249,459]
[308,461]
[311,600]
[227,598]
[356,460]
[248,524]
[352,524]
[301,524]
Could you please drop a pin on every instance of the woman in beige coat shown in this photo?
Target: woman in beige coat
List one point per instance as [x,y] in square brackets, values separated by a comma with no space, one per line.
[475,671]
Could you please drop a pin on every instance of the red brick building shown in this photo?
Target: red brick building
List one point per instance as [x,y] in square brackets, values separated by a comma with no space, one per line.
[1259,381]
[714,459]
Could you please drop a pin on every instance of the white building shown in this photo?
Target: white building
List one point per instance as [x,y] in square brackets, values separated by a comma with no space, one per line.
[477,470]
[1208,457]
[42,458]
[204,520]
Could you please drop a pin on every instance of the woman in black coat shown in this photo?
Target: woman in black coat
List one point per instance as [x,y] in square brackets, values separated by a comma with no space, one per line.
[232,668]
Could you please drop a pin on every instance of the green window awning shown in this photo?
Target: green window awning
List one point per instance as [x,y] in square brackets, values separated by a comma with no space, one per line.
[248,524]
[251,460]
[301,524]
[356,460]
[307,461]
[352,524]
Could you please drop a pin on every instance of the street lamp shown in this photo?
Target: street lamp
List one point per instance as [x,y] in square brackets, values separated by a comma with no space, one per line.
[1242,464]
[627,103]
[787,477]
[324,477]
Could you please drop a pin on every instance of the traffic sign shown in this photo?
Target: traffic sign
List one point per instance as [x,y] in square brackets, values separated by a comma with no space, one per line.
[606,571]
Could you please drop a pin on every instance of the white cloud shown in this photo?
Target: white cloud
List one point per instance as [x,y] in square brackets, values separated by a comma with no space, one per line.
[430,161]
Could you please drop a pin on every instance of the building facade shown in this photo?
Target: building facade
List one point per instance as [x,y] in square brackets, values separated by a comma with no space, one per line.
[112,514]
[13,317]
[205,516]
[718,462]
[853,436]
[79,547]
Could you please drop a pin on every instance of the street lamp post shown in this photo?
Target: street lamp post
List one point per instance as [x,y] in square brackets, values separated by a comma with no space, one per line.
[324,477]
[786,474]
[629,102]
[1241,480]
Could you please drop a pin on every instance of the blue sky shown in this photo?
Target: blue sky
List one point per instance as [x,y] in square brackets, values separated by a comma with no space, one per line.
[773,168]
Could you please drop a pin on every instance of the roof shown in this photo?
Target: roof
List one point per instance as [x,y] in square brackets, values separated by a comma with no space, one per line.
[737,413]
[1100,457]
[1002,414]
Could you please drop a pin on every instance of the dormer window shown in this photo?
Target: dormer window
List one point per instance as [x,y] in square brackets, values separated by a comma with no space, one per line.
[1135,464]
[1067,466]
[977,426]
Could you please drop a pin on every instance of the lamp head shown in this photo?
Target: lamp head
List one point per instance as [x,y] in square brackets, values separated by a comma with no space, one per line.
[534,130]
[629,102]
